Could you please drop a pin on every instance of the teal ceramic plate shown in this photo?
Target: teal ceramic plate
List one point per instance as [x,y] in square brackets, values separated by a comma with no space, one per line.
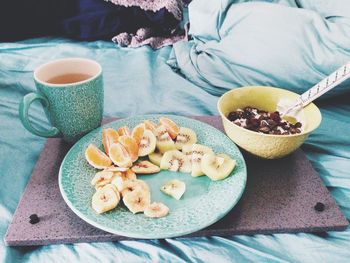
[204,202]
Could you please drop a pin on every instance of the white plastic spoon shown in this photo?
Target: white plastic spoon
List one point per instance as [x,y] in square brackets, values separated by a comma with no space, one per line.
[325,85]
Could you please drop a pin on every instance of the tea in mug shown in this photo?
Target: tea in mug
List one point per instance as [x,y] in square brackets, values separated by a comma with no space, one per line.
[68,78]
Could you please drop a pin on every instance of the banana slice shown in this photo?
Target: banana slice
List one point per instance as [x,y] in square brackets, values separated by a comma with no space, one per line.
[174,188]
[155,158]
[217,167]
[187,150]
[164,141]
[102,178]
[175,161]
[147,143]
[105,199]
[133,185]
[145,167]
[198,151]
[113,168]
[137,200]
[185,136]
[156,210]
[120,179]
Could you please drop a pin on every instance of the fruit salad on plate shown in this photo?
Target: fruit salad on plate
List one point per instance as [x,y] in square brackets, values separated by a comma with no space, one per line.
[147,149]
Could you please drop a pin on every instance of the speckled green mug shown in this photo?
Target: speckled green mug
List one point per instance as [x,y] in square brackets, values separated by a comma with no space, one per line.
[73,109]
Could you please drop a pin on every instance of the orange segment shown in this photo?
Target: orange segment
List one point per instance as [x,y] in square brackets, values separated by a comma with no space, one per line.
[137,132]
[150,125]
[119,155]
[131,146]
[124,131]
[170,126]
[96,157]
[109,136]
[129,174]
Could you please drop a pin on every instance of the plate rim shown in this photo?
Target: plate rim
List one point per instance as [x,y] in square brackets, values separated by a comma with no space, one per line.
[153,236]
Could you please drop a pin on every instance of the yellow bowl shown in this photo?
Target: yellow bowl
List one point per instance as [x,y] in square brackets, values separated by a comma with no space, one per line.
[265,98]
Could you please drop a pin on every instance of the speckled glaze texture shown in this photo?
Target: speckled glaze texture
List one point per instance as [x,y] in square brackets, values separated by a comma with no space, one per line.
[265,98]
[203,203]
[75,109]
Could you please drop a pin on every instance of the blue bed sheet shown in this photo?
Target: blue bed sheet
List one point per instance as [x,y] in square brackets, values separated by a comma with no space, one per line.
[288,43]
[139,81]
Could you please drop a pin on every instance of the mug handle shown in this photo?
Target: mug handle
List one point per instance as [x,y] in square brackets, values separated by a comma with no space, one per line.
[23,114]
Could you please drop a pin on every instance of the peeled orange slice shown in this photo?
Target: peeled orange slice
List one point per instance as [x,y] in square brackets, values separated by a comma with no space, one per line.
[130,146]
[119,155]
[129,174]
[109,136]
[124,131]
[96,157]
[137,132]
[150,125]
[170,126]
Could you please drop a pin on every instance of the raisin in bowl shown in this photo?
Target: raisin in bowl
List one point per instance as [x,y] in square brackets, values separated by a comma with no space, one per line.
[250,119]
[263,122]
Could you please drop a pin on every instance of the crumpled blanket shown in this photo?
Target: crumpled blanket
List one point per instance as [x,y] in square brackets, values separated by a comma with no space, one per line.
[138,81]
[291,44]
[152,36]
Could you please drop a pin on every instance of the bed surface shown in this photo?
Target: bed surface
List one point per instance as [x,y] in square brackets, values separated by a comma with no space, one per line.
[138,82]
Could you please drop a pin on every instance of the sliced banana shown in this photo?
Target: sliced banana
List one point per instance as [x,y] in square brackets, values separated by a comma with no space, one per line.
[164,141]
[155,158]
[156,210]
[175,161]
[186,136]
[120,179]
[217,167]
[105,199]
[187,150]
[198,151]
[148,143]
[174,188]
[133,185]
[137,200]
[102,178]
[113,168]
[145,167]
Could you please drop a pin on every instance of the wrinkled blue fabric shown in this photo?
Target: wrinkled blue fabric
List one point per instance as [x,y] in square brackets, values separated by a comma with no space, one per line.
[288,44]
[139,81]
